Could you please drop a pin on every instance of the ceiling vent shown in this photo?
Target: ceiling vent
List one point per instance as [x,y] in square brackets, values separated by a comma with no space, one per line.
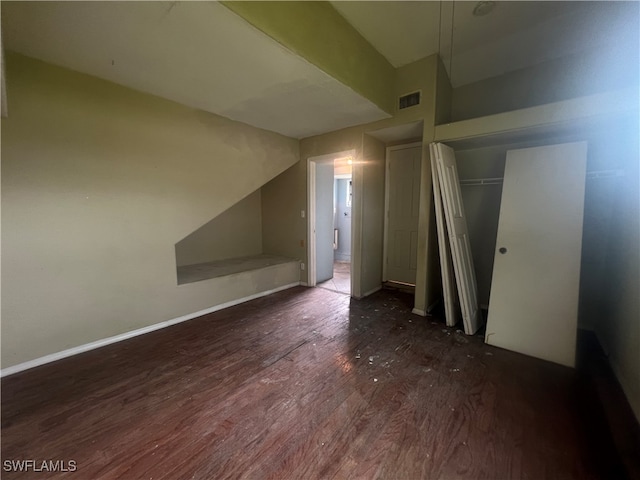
[409,100]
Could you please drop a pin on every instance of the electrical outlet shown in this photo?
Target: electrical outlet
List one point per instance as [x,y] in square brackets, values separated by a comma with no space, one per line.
[302,243]
[301,266]
[302,213]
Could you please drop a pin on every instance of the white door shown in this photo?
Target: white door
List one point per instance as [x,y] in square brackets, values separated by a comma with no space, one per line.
[458,237]
[324,221]
[533,307]
[451,304]
[403,203]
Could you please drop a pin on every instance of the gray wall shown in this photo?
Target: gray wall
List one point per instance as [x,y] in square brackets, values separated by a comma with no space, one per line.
[569,77]
[617,323]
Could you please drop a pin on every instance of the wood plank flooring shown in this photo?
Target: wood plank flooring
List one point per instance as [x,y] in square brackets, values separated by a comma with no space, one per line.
[305,384]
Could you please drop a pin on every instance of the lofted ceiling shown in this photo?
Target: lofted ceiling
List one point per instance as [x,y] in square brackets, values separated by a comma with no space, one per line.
[514,35]
[199,54]
[202,55]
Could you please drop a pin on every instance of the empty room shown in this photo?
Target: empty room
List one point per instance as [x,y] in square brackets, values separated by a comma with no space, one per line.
[300,240]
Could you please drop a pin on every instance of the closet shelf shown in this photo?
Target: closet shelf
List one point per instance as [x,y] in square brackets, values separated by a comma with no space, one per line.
[593,175]
[552,118]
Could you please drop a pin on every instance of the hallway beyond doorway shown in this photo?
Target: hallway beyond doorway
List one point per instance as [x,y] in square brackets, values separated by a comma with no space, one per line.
[341,281]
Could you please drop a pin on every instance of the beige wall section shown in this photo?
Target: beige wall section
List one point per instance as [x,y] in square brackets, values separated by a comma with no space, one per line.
[283,228]
[444,95]
[318,33]
[284,197]
[339,141]
[372,214]
[98,184]
[561,79]
[236,232]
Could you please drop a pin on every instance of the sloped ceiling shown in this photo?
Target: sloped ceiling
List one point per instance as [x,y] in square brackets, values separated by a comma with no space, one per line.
[513,35]
[202,55]
[198,54]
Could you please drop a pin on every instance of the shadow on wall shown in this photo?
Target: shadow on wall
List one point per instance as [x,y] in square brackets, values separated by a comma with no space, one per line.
[236,232]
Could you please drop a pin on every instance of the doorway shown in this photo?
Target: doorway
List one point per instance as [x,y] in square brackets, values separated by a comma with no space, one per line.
[330,221]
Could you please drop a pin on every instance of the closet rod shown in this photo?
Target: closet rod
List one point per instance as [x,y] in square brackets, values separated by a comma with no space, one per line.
[482,181]
[595,174]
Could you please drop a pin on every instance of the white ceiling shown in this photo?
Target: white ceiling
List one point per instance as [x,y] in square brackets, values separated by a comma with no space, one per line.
[202,55]
[199,54]
[516,34]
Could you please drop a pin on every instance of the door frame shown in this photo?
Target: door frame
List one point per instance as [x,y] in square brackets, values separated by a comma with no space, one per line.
[385,252]
[312,163]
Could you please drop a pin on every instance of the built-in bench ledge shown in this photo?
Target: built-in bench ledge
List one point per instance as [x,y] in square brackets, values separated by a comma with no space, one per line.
[221,268]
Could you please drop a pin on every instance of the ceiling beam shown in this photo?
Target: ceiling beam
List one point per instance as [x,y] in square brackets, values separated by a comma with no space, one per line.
[319,34]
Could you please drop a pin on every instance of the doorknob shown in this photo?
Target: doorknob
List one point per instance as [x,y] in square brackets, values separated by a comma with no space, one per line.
[502,250]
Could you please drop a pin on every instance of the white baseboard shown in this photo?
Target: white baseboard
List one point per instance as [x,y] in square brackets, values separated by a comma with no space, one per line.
[5,372]
[427,312]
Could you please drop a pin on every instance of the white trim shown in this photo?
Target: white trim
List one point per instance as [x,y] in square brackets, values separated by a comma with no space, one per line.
[542,118]
[417,311]
[385,222]
[386,203]
[311,223]
[5,372]
[311,209]
[404,146]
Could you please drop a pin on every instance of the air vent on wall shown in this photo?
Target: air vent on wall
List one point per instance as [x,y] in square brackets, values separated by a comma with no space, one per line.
[409,100]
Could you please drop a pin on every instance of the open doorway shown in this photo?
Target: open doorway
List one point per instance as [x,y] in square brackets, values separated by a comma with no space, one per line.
[342,201]
[330,221]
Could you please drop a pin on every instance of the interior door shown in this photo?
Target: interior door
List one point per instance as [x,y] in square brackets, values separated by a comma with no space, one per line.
[533,308]
[451,304]
[324,221]
[403,181]
[458,237]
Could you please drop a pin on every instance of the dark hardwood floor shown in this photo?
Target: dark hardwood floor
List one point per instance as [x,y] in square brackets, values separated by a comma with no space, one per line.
[306,384]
